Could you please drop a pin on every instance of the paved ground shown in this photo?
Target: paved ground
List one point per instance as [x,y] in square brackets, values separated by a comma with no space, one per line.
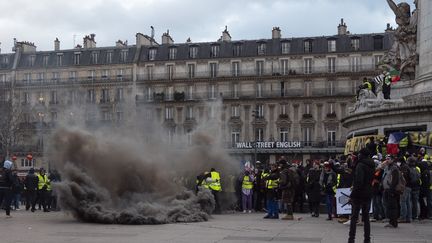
[232,228]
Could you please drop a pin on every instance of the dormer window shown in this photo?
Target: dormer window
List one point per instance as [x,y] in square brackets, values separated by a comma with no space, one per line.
[331,45]
[59,60]
[123,55]
[45,60]
[172,53]
[109,56]
[214,51]
[355,44]
[95,57]
[378,42]
[307,44]
[193,52]
[261,48]
[31,60]
[5,60]
[152,54]
[237,50]
[77,57]
[285,47]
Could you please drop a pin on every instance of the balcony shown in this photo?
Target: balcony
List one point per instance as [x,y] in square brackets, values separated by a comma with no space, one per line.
[77,80]
[253,72]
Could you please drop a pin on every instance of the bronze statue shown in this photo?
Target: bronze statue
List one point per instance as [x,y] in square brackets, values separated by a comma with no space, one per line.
[403,55]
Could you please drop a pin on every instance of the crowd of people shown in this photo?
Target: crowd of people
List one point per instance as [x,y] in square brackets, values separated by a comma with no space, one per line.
[33,190]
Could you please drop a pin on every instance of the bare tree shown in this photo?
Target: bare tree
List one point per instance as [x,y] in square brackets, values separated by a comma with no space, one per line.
[10,126]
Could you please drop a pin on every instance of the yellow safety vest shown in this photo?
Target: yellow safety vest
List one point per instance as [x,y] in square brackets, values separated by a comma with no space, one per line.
[215,185]
[272,184]
[337,183]
[43,180]
[247,184]
[369,85]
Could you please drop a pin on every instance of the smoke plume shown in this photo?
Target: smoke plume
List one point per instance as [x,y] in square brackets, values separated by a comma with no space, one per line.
[122,176]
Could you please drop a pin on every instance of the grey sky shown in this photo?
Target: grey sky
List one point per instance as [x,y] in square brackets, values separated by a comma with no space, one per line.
[42,21]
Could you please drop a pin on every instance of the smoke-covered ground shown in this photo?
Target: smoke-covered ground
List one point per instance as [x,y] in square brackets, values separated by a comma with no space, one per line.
[132,175]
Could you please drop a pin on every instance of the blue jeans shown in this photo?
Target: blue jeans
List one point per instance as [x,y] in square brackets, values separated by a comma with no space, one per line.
[378,208]
[415,203]
[16,200]
[406,205]
[272,208]
[329,203]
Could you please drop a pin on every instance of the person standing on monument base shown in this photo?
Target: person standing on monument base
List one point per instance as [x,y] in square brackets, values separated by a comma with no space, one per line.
[361,194]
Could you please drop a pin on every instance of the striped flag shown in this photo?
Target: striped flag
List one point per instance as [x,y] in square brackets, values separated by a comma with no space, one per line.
[379,79]
[395,75]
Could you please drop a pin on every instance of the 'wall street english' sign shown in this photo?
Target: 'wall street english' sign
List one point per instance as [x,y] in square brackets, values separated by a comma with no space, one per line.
[268,145]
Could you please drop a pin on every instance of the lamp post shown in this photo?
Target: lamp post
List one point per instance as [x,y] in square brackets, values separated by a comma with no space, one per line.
[255,115]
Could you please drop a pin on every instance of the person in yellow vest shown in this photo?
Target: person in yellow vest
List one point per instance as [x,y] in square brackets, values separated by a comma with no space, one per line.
[247,192]
[43,186]
[214,184]
[272,185]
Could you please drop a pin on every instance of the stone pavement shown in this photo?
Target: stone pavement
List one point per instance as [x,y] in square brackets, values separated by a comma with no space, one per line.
[230,228]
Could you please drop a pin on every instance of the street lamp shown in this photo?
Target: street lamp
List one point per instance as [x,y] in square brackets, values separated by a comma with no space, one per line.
[255,115]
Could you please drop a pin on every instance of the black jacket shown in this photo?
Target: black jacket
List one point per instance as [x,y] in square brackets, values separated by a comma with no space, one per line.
[6,179]
[31,182]
[363,176]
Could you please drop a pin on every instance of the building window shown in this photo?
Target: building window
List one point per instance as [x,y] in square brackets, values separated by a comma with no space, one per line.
[149,72]
[307,109]
[284,109]
[235,90]
[27,77]
[77,57]
[169,113]
[213,70]
[189,113]
[191,70]
[119,94]
[331,61]
[378,43]
[193,52]
[331,88]
[3,78]
[235,111]
[170,71]
[170,93]
[259,134]
[282,89]
[189,136]
[53,116]
[53,97]
[307,136]
[214,52]
[149,94]
[331,138]
[152,54]
[190,92]
[105,96]
[261,48]
[120,115]
[106,116]
[109,56]
[235,137]
[307,65]
[284,66]
[45,60]
[123,55]
[285,47]
[259,92]
[237,50]
[331,45]
[105,74]
[355,44]
[377,59]
[259,68]
[307,46]
[5,60]
[235,69]
[72,75]
[91,74]
[59,60]
[212,91]
[41,76]
[27,163]
[331,109]
[95,57]
[26,97]
[120,74]
[40,98]
[172,53]
[91,96]
[355,64]
[283,132]
[55,76]
[260,111]
[31,60]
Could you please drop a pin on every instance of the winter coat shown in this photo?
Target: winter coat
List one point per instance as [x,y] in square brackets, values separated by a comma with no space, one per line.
[272,193]
[313,186]
[6,179]
[328,180]
[362,180]
[287,185]
[31,182]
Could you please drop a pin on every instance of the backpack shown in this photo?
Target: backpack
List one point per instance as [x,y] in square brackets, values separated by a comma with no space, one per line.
[426,178]
[415,177]
[400,187]
[294,177]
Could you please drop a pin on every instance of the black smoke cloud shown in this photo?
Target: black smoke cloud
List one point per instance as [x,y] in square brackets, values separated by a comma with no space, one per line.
[121,179]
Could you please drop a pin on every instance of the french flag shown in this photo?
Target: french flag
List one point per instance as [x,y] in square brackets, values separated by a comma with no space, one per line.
[393,142]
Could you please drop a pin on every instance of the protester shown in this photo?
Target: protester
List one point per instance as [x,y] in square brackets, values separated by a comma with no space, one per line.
[42,194]
[328,183]
[391,195]
[272,184]
[313,188]
[31,186]
[287,184]
[247,191]
[214,183]
[6,186]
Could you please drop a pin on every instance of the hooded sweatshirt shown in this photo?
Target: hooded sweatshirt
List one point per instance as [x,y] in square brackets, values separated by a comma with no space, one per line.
[363,176]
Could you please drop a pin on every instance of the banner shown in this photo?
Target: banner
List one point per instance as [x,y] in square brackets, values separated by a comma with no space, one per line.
[342,201]
[420,138]
[356,143]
